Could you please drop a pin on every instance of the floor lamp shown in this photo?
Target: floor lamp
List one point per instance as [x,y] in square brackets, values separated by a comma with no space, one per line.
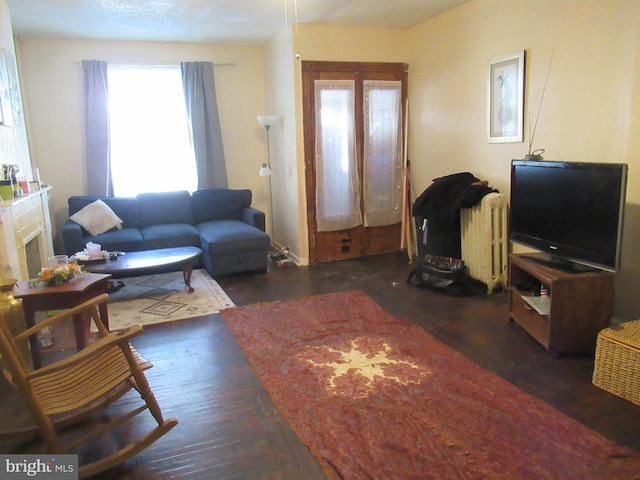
[265,171]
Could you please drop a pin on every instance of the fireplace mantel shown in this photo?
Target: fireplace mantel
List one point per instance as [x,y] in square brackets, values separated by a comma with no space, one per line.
[26,241]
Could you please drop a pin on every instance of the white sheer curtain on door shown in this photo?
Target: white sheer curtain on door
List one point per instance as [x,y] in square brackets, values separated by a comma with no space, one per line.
[337,182]
[382,165]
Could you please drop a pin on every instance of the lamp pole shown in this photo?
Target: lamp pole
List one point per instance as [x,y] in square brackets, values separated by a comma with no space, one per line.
[265,171]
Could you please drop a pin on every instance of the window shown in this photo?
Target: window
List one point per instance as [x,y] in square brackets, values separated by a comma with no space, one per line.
[150,143]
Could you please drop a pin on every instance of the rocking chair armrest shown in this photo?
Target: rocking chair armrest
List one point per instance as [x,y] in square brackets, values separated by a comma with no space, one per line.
[94,302]
[103,343]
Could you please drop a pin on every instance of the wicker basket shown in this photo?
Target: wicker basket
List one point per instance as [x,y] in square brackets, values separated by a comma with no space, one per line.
[617,362]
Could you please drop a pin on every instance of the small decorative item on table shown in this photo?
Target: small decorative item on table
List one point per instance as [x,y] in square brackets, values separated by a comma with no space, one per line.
[94,250]
[84,258]
[60,274]
[57,260]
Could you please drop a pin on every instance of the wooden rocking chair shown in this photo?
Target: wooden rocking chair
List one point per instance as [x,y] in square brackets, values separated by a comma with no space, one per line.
[77,387]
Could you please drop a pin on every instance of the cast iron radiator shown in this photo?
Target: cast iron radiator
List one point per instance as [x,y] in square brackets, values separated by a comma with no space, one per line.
[483,240]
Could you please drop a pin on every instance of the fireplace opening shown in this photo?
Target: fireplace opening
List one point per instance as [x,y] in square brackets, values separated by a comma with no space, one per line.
[34,261]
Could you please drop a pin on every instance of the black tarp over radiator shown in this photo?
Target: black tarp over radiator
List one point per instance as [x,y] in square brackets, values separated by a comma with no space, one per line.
[437,212]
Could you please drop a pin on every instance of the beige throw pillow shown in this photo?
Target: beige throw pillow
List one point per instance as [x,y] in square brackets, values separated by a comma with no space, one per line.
[97,218]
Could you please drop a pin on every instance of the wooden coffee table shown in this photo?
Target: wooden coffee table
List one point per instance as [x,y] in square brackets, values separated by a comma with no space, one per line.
[149,260]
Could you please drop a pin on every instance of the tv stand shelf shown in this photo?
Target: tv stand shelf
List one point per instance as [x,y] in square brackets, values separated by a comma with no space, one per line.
[579,304]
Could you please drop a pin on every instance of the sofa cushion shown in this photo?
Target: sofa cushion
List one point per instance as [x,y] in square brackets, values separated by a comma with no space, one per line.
[170,235]
[230,236]
[219,204]
[97,218]
[125,208]
[165,207]
[126,240]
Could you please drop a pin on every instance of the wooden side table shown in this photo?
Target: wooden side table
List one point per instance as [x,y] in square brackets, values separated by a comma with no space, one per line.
[79,289]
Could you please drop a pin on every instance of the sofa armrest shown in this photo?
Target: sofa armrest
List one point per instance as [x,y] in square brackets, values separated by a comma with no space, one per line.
[73,237]
[254,217]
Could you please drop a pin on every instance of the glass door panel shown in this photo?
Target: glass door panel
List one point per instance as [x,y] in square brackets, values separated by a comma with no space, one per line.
[337,179]
[382,158]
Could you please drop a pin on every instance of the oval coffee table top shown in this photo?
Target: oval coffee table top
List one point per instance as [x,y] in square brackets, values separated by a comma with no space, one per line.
[145,260]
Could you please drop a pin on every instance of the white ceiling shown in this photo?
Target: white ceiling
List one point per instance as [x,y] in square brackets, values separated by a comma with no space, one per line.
[239,22]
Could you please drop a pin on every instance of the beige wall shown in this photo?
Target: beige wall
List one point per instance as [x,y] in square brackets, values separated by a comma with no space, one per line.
[13,150]
[52,78]
[587,112]
[591,109]
[13,139]
[280,85]
[344,44]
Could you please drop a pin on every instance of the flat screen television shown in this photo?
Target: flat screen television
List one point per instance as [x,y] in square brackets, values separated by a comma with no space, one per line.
[572,212]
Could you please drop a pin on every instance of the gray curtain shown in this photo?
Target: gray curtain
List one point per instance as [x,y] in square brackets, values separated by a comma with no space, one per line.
[96,116]
[202,109]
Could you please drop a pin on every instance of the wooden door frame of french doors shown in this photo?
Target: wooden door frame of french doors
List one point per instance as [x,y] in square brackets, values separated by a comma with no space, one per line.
[309,70]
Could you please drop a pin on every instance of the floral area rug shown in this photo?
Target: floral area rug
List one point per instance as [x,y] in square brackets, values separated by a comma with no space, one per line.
[160,298]
[377,397]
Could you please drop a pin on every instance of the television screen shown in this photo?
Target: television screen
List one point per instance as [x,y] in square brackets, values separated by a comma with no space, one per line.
[569,210]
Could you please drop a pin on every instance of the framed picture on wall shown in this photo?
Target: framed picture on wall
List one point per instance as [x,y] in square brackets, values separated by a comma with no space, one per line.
[14,89]
[505,99]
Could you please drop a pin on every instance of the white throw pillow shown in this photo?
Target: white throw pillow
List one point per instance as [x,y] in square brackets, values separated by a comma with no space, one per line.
[97,218]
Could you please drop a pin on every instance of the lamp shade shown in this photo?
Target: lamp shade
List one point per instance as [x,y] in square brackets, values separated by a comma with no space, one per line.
[267,120]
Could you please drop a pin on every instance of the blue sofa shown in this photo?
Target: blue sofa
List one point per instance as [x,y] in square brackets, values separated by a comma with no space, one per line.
[221,222]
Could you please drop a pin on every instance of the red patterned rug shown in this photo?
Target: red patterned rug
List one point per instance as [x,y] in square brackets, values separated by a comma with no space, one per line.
[377,397]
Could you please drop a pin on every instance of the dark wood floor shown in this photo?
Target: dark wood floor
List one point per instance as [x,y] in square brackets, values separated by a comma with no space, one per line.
[229,427]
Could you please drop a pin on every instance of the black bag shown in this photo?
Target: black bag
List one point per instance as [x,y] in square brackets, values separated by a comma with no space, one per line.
[445,275]
[436,271]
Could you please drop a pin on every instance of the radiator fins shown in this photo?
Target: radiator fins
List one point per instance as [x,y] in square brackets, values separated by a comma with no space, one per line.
[484,240]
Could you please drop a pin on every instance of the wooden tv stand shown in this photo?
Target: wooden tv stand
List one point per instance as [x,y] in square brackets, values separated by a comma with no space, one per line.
[579,305]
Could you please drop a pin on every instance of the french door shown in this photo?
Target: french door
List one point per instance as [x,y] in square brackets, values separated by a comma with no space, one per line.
[353,125]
